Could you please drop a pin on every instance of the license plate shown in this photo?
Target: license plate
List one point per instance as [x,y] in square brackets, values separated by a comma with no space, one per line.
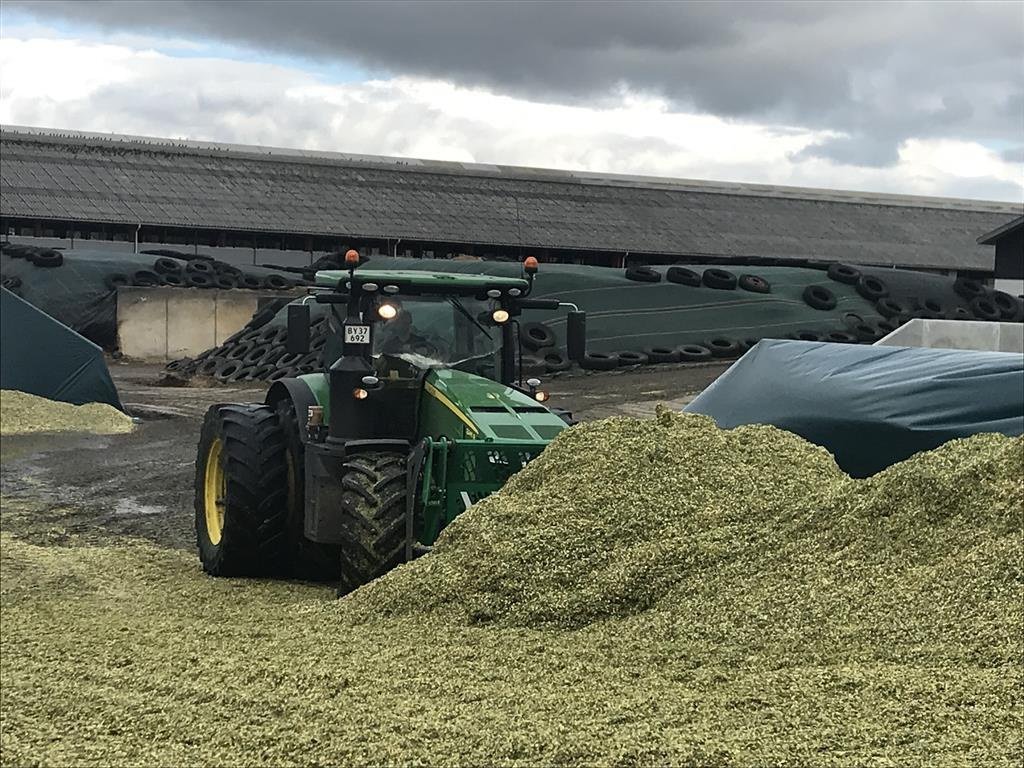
[357,334]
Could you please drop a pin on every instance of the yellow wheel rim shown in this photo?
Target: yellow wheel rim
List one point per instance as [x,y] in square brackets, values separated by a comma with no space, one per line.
[215,491]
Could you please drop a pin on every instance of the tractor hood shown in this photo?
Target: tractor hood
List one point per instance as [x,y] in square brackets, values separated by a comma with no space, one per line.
[489,409]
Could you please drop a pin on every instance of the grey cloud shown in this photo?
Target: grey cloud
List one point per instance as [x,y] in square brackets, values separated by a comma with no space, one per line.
[873,71]
[1013,154]
[854,150]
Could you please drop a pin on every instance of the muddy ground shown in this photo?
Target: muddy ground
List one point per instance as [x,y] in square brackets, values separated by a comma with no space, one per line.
[101,487]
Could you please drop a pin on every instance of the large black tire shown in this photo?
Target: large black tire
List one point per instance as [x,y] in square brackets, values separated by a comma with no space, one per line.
[373,506]
[683,276]
[241,492]
[309,560]
[47,257]
[599,361]
[721,279]
[844,273]
[754,284]
[642,275]
[536,336]
[819,297]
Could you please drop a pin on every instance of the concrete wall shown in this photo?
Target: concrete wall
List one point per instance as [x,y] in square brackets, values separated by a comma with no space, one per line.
[957,334]
[161,324]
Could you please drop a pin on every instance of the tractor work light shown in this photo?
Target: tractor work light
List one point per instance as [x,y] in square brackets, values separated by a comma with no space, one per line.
[513,292]
[540,396]
[390,289]
[387,311]
[360,394]
[500,316]
[494,293]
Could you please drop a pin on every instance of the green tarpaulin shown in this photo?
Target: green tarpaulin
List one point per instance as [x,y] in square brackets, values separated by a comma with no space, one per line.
[41,356]
[870,406]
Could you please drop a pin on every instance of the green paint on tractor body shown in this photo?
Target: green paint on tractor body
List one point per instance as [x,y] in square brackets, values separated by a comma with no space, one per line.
[474,434]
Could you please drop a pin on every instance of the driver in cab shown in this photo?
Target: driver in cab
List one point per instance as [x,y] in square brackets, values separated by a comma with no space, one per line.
[399,335]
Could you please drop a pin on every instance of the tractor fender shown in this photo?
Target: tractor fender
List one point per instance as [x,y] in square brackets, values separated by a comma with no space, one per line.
[301,396]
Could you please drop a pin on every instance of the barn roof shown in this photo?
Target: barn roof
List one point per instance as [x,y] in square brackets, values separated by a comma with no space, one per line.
[73,176]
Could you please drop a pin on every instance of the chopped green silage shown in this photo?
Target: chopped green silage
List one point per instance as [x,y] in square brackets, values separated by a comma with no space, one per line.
[22,413]
[646,592]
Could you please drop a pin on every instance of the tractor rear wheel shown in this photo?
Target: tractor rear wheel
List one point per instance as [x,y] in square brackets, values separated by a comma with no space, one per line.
[241,489]
[373,507]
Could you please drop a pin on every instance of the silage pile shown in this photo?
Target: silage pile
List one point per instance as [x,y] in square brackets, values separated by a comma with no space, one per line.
[22,413]
[751,531]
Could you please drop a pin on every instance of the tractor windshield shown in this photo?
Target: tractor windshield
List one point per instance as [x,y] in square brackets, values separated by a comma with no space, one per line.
[437,330]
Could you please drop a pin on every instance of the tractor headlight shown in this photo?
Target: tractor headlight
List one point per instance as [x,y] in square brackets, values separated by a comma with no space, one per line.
[360,394]
[500,316]
[387,311]
[540,396]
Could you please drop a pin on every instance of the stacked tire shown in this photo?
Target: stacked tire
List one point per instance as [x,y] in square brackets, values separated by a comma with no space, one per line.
[178,272]
[256,353]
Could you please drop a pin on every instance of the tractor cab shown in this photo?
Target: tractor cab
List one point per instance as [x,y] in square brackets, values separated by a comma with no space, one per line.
[420,412]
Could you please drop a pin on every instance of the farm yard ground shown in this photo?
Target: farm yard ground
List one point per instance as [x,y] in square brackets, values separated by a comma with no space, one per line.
[141,484]
[117,650]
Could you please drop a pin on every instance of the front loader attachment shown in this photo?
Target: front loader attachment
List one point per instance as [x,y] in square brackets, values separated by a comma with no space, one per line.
[446,477]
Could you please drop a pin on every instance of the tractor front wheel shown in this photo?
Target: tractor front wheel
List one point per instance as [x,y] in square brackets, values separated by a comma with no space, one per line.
[241,490]
[373,506]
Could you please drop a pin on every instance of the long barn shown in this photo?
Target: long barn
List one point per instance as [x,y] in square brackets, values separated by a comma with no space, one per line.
[268,204]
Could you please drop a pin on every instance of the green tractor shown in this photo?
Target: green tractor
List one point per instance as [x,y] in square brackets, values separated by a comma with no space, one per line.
[422,411]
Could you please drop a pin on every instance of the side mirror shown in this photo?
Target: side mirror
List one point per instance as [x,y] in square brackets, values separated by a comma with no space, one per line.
[297,342]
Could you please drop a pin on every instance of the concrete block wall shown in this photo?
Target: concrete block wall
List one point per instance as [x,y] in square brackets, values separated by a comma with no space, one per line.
[160,324]
[957,334]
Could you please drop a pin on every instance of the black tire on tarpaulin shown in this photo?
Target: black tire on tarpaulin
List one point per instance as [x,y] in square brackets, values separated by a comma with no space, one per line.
[276,283]
[662,354]
[555,361]
[47,258]
[166,266]
[872,288]
[967,288]
[754,284]
[720,279]
[536,336]
[984,308]
[721,346]
[844,273]
[599,361]
[198,280]
[889,308]
[1009,307]
[198,266]
[642,275]
[683,276]
[172,280]
[819,297]
[806,336]
[694,353]
[145,278]
[629,357]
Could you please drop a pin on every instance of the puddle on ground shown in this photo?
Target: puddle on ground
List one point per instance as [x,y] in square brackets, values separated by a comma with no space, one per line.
[133,508]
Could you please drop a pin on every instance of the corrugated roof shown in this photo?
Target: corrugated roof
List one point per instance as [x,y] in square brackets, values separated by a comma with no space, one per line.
[73,176]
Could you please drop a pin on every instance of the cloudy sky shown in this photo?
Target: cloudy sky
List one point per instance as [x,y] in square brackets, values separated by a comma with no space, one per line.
[920,98]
